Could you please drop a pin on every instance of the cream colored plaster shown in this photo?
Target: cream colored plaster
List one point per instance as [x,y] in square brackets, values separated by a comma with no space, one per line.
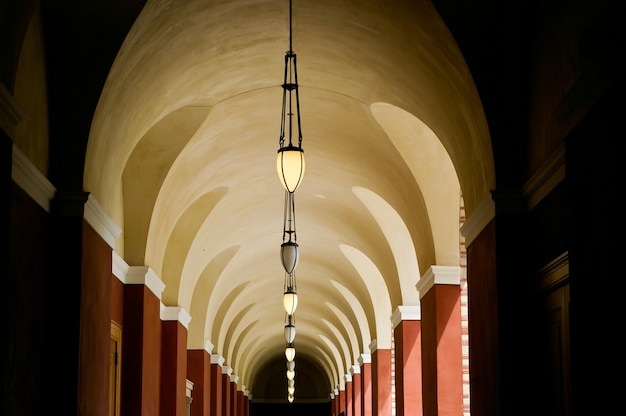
[432,168]
[182,153]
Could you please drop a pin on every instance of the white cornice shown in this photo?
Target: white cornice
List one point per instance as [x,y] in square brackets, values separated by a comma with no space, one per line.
[234,378]
[438,275]
[208,346]
[355,369]
[175,313]
[217,359]
[405,313]
[365,359]
[101,222]
[227,370]
[348,378]
[143,275]
[481,216]
[26,175]
[119,267]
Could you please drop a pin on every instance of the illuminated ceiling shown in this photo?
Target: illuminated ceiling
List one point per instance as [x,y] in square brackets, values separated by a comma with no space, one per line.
[182,152]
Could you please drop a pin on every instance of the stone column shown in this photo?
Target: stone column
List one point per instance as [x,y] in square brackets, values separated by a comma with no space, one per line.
[215,400]
[381,380]
[365,361]
[174,323]
[440,296]
[408,352]
[357,409]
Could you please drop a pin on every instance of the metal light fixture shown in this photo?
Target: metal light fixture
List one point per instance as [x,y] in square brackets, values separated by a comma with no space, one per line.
[289,254]
[290,160]
[290,330]
[290,374]
[291,365]
[290,352]
[289,250]
[291,389]
[290,398]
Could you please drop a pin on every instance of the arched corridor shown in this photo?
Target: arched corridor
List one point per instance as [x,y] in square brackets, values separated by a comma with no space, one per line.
[439,272]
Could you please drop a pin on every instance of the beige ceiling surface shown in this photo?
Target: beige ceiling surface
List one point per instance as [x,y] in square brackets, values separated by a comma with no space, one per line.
[182,156]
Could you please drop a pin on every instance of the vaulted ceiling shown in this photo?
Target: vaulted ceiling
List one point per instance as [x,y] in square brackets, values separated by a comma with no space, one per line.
[182,156]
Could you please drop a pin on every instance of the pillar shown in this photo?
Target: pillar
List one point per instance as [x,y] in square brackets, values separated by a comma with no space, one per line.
[440,296]
[215,400]
[408,352]
[141,348]
[355,371]
[365,361]
[199,373]
[175,321]
[226,404]
[381,380]
[348,395]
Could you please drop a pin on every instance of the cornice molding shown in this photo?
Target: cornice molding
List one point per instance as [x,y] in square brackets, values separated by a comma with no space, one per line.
[217,359]
[101,222]
[365,359]
[405,313]
[175,313]
[484,212]
[26,175]
[438,275]
[143,275]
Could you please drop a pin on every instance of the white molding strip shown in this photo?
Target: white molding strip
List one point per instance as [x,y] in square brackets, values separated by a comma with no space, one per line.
[438,275]
[365,359]
[208,346]
[482,214]
[101,222]
[234,378]
[26,175]
[348,378]
[217,359]
[119,267]
[355,369]
[143,275]
[227,370]
[405,313]
[175,313]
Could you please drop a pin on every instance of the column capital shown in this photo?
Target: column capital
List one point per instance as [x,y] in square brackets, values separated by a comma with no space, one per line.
[175,313]
[365,359]
[405,313]
[227,370]
[348,378]
[208,346]
[373,345]
[217,359]
[438,275]
[355,369]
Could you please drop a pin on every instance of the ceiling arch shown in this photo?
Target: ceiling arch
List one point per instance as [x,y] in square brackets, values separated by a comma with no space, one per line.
[181,155]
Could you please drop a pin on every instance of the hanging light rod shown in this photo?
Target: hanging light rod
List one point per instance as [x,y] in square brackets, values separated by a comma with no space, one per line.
[290,160]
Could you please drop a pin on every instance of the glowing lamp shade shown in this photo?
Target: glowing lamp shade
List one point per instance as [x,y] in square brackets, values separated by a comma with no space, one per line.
[291,365]
[290,333]
[290,374]
[289,256]
[290,301]
[290,352]
[290,398]
[291,383]
[290,166]
[291,390]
